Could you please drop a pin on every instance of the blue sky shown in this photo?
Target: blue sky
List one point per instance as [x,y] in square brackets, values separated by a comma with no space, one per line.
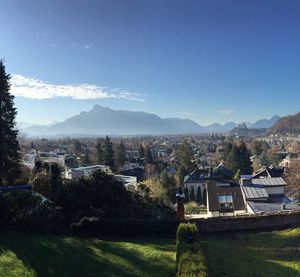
[210,61]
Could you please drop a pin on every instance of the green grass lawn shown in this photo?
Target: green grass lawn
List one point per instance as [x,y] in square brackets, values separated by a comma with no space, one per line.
[26,255]
[253,254]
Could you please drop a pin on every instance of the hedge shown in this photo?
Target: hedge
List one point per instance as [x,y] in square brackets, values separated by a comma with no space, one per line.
[190,261]
[95,227]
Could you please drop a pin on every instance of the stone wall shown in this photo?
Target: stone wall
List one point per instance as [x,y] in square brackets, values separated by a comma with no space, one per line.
[239,223]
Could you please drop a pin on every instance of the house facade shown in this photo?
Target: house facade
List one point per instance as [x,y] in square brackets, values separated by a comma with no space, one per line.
[224,199]
[266,195]
[196,180]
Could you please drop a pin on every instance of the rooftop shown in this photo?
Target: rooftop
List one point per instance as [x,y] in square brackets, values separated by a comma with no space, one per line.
[269,182]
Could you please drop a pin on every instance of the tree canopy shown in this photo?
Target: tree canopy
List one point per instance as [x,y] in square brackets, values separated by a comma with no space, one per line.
[9,146]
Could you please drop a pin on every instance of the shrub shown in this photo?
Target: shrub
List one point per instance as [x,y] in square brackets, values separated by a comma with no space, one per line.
[95,227]
[193,208]
[25,210]
[189,257]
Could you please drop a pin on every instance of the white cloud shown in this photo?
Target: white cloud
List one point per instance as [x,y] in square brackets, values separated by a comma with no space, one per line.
[225,112]
[36,89]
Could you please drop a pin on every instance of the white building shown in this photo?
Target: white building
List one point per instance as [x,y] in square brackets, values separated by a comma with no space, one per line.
[85,171]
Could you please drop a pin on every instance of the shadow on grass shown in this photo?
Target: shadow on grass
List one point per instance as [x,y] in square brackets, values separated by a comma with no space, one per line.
[253,254]
[65,256]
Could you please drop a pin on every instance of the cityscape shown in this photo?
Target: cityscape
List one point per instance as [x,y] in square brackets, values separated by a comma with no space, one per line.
[149,138]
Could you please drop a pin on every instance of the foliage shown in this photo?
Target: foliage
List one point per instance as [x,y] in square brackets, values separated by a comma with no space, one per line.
[258,147]
[143,190]
[186,195]
[108,153]
[190,260]
[141,152]
[24,176]
[121,155]
[9,146]
[31,256]
[180,174]
[168,183]
[148,156]
[239,158]
[47,180]
[95,227]
[199,199]
[185,155]
[192,196]
[293,180]
[237,175]
[193,208]
[268,158]
[26,210]
[87,160]
[163,188]
[102,196]
[204,197]
[99,153]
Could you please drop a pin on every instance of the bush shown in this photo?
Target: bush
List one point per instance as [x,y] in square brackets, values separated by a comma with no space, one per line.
[95,227]
[189,257]
[193,208]
[25,210]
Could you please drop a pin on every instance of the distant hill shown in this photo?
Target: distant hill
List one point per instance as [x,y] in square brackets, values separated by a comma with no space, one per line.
[100,121]
[288,124]
[264,123]
[218,128]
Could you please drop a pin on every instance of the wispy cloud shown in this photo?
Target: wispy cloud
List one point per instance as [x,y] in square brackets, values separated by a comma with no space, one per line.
[186,113]
[225,112]
[37,89]
[89,46]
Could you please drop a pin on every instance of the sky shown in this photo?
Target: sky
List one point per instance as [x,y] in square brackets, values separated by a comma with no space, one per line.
[207,60]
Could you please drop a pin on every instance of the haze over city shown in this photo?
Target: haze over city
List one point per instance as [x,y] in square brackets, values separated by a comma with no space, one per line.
[209,61]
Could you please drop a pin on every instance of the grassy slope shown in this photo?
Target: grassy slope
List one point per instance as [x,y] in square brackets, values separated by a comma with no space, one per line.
[257,254]
[25,255]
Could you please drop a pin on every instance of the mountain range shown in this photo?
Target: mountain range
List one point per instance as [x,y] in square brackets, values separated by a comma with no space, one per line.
[103,120]
[288,124]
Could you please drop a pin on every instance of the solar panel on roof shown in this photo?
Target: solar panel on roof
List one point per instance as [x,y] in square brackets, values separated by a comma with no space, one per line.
[255,192]
[269,181]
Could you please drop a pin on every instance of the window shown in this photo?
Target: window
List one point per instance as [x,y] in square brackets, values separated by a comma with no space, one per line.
[226,202]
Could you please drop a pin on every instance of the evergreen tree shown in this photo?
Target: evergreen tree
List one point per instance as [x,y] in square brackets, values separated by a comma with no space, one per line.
[121,155]
[192,198]
[148,156]
[232,159]
[87,160]
[9,146]
[141,152]
[227,148]
[199,195]
[186,195]
[204,197]
[38,167]
[108,153]
[244,159]
[77,146]
[168,184]
[99,153]
[239,158]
